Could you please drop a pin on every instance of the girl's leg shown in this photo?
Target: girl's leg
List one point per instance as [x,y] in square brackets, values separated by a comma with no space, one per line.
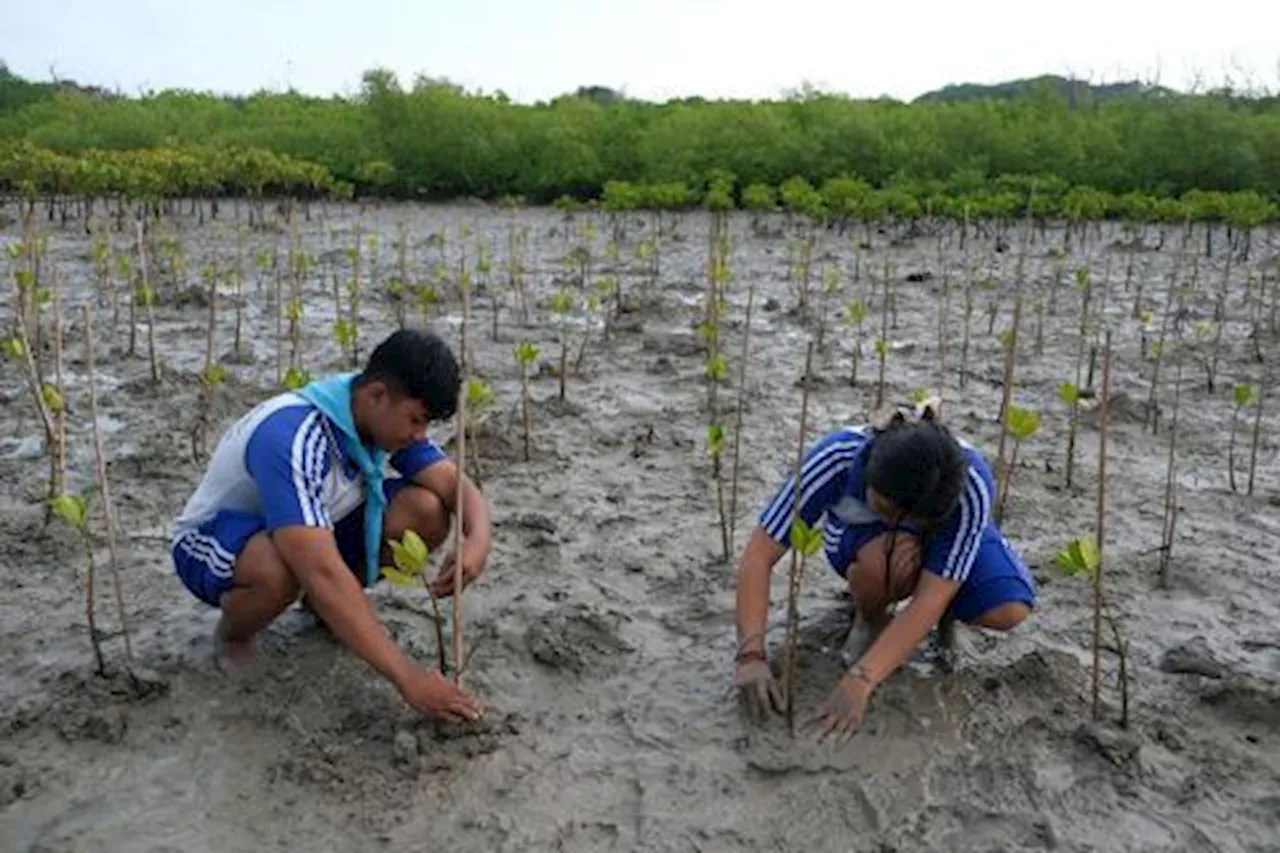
[1003,617]
[1000,592]
[884,571]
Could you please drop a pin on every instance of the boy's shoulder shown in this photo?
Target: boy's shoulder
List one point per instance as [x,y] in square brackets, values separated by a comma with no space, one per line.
[284,423]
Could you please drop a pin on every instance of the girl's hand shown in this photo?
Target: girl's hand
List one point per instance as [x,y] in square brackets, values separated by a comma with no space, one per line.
[841,714]
[757,687]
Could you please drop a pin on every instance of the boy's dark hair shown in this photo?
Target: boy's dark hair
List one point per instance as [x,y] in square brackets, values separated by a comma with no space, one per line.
[920,467]
[418,364]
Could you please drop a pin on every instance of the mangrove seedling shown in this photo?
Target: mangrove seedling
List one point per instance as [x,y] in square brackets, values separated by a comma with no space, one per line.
[715,449]
[1204,332]
[1103,429]
[410,555]
[526,353]
[1257,428]
[1010,342]
[479,400]
[1243,396]
[211,376]
[882,353]
[147,297]
[562,305]
[104,487]
[1022,425]
[804,542]
[739,409]
[1069,393]
[73,511]
[855,313]
[1081,558]
[1169,522]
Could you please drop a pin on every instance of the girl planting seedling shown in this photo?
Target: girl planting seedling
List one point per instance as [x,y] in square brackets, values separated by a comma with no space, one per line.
[905,511]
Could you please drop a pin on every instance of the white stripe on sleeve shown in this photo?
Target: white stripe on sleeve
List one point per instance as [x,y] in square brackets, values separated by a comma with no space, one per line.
[975,512]
[302,462]
[817,473]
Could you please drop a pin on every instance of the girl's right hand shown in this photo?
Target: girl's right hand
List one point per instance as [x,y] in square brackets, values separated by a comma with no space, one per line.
[757,687]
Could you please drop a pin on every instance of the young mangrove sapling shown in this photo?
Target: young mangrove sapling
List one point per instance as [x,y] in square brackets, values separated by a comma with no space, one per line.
[738,413]
[104,489]
[804,542]
[526,353]
[410,554]
[1243,396]
[1023,424]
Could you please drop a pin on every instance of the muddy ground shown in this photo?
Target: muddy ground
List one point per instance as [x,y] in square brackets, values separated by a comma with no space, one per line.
[603,628]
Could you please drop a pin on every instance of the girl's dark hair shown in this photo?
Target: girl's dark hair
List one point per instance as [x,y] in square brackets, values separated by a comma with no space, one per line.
[920,467]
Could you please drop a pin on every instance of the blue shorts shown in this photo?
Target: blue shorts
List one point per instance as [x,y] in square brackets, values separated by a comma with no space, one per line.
[205,557]
[998,575]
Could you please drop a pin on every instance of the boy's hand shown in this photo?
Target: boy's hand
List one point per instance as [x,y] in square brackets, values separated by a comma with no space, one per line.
[431,693]
[474,556]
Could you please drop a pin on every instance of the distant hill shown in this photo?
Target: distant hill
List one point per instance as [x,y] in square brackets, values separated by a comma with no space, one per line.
[1068,89]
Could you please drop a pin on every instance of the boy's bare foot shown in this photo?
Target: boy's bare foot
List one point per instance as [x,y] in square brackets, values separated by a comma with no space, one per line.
[232,655]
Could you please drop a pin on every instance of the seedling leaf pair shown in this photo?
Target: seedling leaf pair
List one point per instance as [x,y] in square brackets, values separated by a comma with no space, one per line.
[410,558]
[1079,558]
[805,539]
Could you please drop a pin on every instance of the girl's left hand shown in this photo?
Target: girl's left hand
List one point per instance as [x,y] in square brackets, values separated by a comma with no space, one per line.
[841,714]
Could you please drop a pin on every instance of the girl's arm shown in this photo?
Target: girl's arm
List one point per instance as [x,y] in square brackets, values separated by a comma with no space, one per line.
[908,628]
[823,477]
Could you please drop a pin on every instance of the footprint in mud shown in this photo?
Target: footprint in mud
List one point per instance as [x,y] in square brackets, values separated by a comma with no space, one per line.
[1244,699]
[577,638]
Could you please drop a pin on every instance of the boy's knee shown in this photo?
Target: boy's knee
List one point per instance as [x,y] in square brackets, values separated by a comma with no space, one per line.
[422,511]
[885,568]
[261,567]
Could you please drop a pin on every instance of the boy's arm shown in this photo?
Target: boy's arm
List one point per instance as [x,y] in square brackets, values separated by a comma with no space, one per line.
[427,465]
[288,457]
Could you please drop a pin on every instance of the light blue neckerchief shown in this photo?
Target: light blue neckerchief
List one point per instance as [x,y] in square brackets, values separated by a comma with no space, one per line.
[332,396]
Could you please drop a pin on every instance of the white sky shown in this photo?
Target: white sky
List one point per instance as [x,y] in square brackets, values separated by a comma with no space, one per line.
[656,49]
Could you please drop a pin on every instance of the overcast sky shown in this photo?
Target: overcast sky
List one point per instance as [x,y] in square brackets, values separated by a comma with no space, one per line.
[656,49]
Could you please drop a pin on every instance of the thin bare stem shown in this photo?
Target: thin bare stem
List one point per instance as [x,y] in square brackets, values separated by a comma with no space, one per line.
[458,539]
[797,565]
[737,424]
[104,488]
[1010,360]
[1170,477]
[1257,428]
[149,299]
[1104,414]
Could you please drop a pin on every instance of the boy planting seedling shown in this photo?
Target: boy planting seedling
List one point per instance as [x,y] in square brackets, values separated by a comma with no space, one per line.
[294,503]
[905,509]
